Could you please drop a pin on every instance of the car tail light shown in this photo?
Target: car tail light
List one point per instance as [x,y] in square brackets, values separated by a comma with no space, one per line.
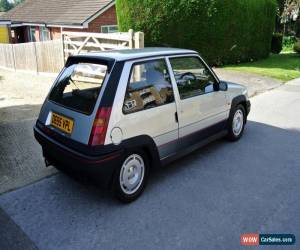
[100,125]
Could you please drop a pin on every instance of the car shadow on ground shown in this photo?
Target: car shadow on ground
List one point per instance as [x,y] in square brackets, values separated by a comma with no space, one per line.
[21,161]
[19,113]
[259,143]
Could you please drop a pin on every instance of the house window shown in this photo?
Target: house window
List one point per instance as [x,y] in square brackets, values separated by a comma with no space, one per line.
[45,34]
[32,34]
[109,28]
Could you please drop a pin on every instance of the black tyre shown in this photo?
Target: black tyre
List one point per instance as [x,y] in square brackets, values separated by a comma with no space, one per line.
[131,177]
[236,123]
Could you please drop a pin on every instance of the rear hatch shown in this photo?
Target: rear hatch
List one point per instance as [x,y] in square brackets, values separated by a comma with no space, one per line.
[71,105]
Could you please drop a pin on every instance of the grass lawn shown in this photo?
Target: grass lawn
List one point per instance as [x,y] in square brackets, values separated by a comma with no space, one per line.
[284,67]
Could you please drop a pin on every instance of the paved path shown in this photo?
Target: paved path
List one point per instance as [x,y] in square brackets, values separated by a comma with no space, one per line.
[18,89]
[256,84]
[203,201]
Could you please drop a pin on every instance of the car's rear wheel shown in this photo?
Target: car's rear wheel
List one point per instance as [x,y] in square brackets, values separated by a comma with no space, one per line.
[236,123]
[130,179]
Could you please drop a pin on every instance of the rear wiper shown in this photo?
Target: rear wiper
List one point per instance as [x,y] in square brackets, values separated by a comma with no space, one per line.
[74,83]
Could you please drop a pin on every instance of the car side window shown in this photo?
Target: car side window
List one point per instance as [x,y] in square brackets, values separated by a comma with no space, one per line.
[192,77]
[149,86]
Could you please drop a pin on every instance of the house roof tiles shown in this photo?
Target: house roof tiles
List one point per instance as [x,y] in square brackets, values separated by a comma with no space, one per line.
[55,12]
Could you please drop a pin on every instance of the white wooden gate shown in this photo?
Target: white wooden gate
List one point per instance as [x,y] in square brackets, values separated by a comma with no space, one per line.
[81,42]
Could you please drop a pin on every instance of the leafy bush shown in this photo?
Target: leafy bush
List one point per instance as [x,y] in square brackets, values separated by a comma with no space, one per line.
[223,31]
[276,46]
[289,41]
[297,47]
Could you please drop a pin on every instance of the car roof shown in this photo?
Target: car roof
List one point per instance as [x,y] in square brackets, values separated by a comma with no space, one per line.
[131,54]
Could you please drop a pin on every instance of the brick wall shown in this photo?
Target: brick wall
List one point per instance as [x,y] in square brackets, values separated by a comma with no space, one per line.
[109,17]
[55,33]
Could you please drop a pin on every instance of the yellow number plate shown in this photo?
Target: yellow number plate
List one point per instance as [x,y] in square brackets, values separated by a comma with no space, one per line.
[62,123]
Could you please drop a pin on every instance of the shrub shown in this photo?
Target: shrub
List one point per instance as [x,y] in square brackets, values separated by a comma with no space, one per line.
[297,47]
[223,31]
[276,46]
[289,41]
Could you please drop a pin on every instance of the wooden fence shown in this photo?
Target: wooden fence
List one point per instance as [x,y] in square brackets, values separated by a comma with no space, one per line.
[32,57]
[50,56]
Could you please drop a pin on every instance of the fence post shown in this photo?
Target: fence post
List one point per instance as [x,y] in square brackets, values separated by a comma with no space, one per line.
[130,32]
[36,58]
[62,37]
[14,56]
[139,40]
[138,44]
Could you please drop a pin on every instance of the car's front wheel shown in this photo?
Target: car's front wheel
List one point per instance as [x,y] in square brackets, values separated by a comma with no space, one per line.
[130,179]
[236,123]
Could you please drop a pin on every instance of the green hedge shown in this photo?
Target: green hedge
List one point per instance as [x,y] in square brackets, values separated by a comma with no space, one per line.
[297,47]
[223,31]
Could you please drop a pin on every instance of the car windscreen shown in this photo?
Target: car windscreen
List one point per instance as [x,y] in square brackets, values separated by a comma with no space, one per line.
[79,86]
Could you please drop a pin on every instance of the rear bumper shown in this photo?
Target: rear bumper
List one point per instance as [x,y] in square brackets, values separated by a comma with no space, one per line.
[101,168]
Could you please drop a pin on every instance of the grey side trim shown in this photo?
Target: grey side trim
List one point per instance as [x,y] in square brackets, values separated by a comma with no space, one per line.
[165,133]
[194,140]
[192,148]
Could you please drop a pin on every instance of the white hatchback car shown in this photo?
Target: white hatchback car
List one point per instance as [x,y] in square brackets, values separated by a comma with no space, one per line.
[115,115]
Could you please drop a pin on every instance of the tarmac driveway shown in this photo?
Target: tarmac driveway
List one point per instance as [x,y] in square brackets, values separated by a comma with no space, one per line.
[203,201]
[21,96]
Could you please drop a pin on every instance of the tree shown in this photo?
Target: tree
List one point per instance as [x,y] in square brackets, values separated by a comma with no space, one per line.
[290,13]
[5,5]
[281,4]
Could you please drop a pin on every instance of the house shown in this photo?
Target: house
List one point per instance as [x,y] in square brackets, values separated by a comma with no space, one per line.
[4,38]
[42,20]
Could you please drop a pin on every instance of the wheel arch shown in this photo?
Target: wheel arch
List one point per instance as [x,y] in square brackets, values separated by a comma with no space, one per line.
[239,100]
[144,143]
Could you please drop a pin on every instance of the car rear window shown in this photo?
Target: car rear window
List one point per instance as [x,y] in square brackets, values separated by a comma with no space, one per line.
[78,86]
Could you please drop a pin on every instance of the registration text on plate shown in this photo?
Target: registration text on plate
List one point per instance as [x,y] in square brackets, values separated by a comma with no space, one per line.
[63,123]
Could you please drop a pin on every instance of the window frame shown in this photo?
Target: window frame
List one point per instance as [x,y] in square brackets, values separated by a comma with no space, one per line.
[215,77]
[108,27]
[32,28]
[143,61]
[42,30]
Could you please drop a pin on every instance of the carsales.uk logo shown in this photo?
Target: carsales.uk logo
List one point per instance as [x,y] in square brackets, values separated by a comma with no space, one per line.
[267,239]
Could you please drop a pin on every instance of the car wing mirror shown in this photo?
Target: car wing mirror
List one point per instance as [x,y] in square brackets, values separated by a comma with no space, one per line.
[223,86]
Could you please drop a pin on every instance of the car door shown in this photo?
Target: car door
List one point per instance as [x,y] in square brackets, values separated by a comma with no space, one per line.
[149,106]
[202,108]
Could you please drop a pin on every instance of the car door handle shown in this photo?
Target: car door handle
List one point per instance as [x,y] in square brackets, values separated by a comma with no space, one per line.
[176,117]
